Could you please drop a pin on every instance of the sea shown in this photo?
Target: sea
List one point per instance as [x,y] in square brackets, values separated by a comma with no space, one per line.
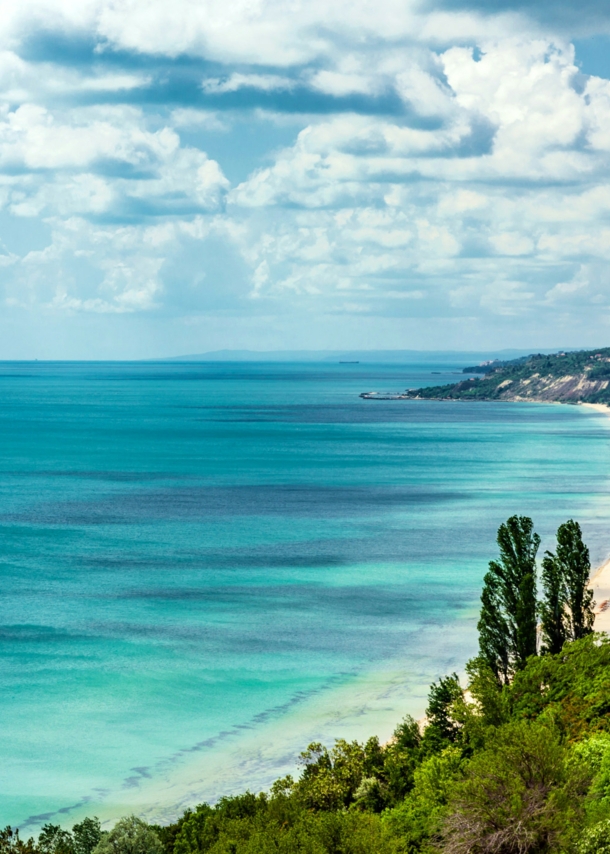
[207,566]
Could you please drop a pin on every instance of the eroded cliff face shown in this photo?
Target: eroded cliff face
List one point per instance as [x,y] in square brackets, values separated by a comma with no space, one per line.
[567,389]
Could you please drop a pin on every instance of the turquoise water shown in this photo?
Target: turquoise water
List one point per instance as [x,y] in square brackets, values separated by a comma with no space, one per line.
[204,566]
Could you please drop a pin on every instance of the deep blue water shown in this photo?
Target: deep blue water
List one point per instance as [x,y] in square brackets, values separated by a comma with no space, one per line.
[205,565]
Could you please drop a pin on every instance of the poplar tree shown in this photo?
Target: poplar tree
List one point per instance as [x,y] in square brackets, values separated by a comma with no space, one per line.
[493,629]
[574,566]
[507,624]
[553,615]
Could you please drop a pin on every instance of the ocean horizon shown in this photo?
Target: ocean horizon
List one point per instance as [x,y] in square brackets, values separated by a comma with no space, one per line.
[206,566]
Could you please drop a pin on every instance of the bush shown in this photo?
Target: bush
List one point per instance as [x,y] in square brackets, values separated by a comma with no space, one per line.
[520,794]
[130,835]
[596,840]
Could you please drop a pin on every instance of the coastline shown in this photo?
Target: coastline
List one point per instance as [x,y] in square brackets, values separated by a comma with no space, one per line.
[600,583]
[598,407]
[600,578]
[255,753]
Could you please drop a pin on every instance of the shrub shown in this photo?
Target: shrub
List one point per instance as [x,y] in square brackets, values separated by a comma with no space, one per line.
[130,835]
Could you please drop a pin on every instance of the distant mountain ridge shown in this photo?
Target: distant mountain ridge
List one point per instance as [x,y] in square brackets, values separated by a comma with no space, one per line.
[344,355]
[576,377]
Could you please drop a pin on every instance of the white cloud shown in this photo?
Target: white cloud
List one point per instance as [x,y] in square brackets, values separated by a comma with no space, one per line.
[64,163]
[480,186]
[512,243]
[236,81]
[340,83]
[187,117]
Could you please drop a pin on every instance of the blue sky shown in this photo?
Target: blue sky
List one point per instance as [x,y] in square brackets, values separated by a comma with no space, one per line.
[184,176]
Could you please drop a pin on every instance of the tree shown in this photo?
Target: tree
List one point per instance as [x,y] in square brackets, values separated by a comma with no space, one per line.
[553,607]
[596,839]
[402,755]
[441,729]
[567,608]
[507,624]
[53,840]
[519,795]
[573,557]
[86,835]
[130,835]
[331,778]
[11,843]
[494,639]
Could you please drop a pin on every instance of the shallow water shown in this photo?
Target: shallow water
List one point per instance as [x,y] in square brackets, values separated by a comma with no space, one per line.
[204,566]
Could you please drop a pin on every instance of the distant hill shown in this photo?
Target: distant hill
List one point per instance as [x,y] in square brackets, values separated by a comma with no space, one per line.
[582,376]
[378,356]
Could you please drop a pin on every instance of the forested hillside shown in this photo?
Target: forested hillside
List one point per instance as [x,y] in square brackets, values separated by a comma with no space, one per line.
[580,377]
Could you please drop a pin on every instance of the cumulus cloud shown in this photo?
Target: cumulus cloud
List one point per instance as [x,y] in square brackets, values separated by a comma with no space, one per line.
[265,82]
[382,159]
[101,160]
[518,160]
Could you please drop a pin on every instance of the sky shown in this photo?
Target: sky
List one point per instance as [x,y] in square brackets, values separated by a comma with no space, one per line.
[185,176]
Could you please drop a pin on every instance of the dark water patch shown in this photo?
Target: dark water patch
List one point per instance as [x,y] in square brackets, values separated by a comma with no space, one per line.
[262,718]
[20,634]
[142,773]
[381,602]
[34,820]
[112,476]
[264,500]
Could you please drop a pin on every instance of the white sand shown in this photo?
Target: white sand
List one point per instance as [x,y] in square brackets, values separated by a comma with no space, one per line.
[600,580]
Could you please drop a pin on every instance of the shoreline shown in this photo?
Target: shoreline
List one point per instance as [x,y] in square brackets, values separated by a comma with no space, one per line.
[258,754]
[600,577]
[600,584]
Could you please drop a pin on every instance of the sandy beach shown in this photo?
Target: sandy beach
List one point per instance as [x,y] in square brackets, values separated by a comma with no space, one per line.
[600,580]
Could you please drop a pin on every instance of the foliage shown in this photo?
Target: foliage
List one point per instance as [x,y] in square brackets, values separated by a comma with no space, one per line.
[553,616]
[54,840]
[250,824]
[417,821]
[441,727]
[588,364]
[11,843]
[567,609]
[573,558]
[86,835]
[520,794]
[596,839]
[130,835]
[507,626]
[573,687]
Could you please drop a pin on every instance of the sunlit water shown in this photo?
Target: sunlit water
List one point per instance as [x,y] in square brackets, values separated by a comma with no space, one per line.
[206,566]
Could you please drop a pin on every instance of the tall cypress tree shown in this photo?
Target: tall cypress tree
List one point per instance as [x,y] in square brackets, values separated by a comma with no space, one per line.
[553,613]
[493,630]
[507,625]
[573,558]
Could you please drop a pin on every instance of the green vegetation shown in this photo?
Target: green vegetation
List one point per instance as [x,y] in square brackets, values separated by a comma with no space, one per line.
[518,762]
[507,627]
[580,377]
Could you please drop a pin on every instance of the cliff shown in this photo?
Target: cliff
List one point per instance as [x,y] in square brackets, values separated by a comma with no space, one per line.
[579,377]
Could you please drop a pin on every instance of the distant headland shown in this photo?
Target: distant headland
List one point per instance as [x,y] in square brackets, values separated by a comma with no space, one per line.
[582,376]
